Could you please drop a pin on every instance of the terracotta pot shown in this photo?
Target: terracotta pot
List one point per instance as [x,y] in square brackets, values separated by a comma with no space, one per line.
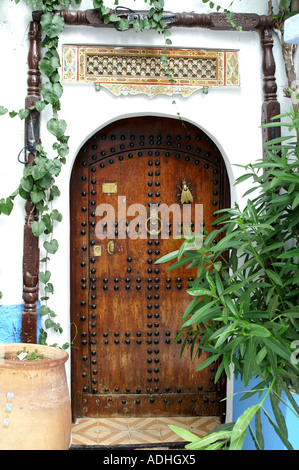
[35,411]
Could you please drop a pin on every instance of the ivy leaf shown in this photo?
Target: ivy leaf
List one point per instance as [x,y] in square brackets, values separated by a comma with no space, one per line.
[37,195]
[37,228]
[49,66]
[137,26]
[40,106]
[44,310]
[56,215]
[38,170]
[27,184]
[23,113]
[52,24]
[51,247]
[3,110]
[49,288]
[51,92]
[6,206]
[56,127]
[54,192]
[49,323]
[44,277]
[123,25]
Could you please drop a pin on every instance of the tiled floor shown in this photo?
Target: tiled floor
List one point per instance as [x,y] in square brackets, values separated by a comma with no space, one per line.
[136,431]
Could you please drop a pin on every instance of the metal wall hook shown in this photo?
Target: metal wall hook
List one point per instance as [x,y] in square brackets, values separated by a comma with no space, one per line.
[26,156]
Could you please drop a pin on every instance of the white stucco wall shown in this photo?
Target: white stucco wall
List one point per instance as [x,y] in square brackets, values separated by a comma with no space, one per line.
[230,116]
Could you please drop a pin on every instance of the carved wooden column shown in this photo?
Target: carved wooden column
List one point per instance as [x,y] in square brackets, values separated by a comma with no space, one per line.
[31,243]
[271,106]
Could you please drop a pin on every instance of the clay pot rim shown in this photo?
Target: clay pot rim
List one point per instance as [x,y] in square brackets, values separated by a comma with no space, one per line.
[58,355]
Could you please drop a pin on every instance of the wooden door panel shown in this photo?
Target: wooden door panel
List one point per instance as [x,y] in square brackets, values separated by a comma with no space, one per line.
[127,308]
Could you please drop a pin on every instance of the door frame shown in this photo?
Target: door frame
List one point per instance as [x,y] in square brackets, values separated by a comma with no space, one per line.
[261,24]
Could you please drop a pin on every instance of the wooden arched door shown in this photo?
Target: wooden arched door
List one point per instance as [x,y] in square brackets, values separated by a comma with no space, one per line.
[125,307]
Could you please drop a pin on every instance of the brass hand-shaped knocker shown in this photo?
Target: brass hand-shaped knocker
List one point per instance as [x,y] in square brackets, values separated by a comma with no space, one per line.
[154,223]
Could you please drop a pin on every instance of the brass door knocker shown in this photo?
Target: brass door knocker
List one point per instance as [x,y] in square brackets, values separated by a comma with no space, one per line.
[110,247]
[154,223]
[185,194]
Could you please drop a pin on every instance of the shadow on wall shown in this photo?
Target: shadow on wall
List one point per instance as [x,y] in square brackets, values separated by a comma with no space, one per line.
[11,323]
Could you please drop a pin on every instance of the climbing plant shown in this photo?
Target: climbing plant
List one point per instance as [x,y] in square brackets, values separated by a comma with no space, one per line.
[38,182]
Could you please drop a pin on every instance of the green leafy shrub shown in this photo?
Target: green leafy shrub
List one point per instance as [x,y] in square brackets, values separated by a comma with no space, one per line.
[244,309]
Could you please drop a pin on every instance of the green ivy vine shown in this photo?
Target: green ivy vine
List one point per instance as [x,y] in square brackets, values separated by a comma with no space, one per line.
[38,181]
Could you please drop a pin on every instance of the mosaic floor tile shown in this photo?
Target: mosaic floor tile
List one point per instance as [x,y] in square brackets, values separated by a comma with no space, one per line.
[149,436]
[137,424]
[126,431]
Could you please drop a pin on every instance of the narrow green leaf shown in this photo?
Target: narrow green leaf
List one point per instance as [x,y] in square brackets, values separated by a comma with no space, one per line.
[200,313]
[295,202]
[208,362]
[280,420]
[279,432]
[200,443]
[250,366]
[258,430]
[274,276]
[184,434]
[239,429]
[168,257]
[277,348]
[199,291]
[293,253]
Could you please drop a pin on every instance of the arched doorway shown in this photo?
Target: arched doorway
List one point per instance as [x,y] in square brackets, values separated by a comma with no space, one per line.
[126,309]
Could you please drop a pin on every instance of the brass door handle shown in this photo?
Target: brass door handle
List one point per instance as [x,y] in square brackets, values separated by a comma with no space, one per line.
[110,247]
[154,222]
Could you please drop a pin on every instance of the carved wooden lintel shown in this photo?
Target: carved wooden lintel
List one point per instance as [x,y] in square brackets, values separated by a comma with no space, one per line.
[31,245]
[215,21]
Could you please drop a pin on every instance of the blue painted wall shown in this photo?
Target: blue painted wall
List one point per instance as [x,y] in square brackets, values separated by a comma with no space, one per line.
[272,441]
[11,323]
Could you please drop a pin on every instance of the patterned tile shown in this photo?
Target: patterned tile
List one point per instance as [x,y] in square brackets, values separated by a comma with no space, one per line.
[149,436]
[124,431]
[137,424]
[168,435]
[202,426]
[175,421]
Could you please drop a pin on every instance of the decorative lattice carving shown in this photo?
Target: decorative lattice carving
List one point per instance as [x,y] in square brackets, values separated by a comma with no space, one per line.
[133,70]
